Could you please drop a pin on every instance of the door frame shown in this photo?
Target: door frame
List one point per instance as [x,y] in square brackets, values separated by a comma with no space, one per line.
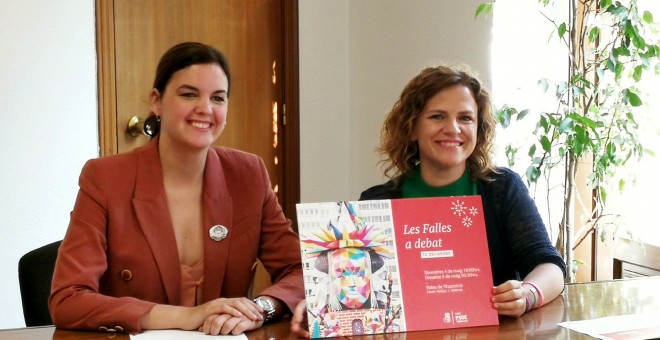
[289,122]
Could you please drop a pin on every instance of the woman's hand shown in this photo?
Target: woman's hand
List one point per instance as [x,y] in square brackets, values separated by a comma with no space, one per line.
[225,324]
[234,307]
[190,318]
[509,298]
[299,320]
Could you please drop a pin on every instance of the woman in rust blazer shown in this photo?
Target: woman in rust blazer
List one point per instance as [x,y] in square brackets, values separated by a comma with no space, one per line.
[142,217]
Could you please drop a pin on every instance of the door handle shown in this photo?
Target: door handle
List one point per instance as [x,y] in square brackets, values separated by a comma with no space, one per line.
[140,126]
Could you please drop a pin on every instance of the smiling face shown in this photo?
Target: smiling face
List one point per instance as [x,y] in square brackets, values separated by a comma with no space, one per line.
[351,276]
[446,134]
[193,107]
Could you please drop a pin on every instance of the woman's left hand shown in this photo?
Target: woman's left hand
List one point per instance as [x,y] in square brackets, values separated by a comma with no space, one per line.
[299,320]
[225,324]
[509,298]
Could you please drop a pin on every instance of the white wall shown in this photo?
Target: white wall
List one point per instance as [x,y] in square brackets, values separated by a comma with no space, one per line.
[324,105]
[355,58]
[49,127]
[343,102]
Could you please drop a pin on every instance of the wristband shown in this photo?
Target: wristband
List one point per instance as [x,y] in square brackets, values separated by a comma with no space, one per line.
[538,291]
[527,305]
[536,300]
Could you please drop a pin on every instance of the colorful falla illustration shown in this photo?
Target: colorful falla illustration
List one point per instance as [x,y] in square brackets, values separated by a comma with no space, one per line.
[349,251]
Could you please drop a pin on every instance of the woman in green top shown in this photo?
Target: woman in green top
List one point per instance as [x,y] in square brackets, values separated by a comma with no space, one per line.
[436,141]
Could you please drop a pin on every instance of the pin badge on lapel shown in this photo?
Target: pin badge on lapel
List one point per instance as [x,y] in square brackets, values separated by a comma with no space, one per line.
[218,232]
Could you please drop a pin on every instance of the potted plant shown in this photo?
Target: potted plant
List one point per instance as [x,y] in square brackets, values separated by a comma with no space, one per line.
[594,122]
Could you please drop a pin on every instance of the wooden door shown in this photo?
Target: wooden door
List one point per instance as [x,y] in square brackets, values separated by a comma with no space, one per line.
[259,38]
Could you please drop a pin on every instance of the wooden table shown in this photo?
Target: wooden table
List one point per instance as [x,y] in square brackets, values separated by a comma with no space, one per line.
[578,302]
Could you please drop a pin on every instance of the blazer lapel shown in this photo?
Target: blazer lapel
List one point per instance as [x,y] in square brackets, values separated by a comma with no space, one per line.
[217,211]
[150,205]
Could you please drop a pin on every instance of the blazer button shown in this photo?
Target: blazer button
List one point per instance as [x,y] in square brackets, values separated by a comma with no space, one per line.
[126,275]
[103,329]
[119,328]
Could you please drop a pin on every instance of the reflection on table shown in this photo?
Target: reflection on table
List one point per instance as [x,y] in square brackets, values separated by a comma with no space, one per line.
[578,302]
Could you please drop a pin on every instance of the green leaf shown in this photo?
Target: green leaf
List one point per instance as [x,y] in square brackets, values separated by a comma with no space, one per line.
[603,196]
[504,116]
[561,88]
[511,154]
[647,17]
[532,150]
[611,150]
[633,98]
[637,74]
[522,114]
[561,30]
[533,174]
[610,64]
[578,91]
[566,125]
[485,9]
[586,121]
[544,84]
[628,29]
[639,42]
[545,143]
[622,184]
[593,34]
[618,71]
[618,10]
[605,3]
[577,147]
[621,51]
[543,122]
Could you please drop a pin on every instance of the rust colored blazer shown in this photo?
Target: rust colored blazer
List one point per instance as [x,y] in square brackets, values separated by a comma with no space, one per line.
[119,256]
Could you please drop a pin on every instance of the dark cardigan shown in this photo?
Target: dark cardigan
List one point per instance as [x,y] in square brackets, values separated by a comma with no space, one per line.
[517,238]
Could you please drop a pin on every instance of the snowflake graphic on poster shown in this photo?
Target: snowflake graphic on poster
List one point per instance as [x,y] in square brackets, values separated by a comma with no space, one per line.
[467,222]
[459,208]
[474,211]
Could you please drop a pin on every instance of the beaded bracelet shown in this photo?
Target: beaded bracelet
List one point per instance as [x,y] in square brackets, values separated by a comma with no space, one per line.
[538,291]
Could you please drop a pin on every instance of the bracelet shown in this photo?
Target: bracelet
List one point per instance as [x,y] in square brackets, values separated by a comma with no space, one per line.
[538,291]
[527,305]
[535,298]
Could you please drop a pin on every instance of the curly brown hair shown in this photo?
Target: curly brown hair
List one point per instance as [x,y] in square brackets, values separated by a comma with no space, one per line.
[401,154]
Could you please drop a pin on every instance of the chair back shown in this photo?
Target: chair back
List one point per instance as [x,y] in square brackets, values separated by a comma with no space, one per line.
[35,273]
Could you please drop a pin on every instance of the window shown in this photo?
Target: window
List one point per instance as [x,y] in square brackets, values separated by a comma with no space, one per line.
[523,52]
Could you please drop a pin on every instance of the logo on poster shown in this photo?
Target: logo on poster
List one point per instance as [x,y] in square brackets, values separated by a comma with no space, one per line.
[460,317]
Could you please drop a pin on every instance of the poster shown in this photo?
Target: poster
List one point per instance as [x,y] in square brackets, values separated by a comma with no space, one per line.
[397,265]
